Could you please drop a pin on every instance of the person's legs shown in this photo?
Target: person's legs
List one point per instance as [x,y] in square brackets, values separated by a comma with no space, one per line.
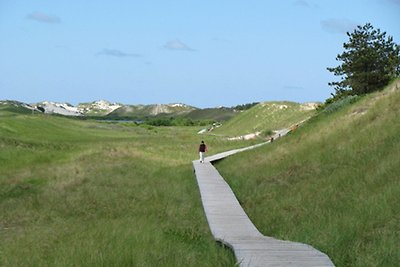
[201,157]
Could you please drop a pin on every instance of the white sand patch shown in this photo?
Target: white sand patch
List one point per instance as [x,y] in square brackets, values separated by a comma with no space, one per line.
[60,108]
[245,137]
[177,105]
[282,106]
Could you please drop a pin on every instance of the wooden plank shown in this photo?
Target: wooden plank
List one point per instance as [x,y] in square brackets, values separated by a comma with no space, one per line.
[230,224]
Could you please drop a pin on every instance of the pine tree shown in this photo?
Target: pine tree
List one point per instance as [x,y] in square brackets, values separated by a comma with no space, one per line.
[370,61]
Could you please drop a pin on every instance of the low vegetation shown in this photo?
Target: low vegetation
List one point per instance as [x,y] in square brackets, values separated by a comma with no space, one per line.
[176,122]
[85,193]
[333,183]
[214,114]
[77,192]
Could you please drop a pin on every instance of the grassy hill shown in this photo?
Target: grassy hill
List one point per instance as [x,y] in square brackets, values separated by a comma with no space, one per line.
[265,116]
[333,183]
[84,193]
[13,107]
[215,114]
[106,110]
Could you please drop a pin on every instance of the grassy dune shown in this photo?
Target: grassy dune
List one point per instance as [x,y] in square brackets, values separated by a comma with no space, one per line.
[267,116]
[333,183]
[84,193]
[81,193]
[216,114]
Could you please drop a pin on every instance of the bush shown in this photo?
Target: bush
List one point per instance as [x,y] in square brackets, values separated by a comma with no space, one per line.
[245,106]
[267,133]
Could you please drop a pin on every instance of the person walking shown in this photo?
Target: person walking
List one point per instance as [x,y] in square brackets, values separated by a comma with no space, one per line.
[202,151]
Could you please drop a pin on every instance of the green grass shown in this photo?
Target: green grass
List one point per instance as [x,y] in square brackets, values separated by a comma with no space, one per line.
[85,193]
[267,116]
[216,114]
[8,108]
[333,183]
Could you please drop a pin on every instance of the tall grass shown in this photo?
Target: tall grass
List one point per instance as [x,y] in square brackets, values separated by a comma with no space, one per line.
[334,183]
[76,193]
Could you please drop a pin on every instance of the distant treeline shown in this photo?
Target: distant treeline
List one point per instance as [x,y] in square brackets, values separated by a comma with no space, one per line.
[245,106]
[176,122]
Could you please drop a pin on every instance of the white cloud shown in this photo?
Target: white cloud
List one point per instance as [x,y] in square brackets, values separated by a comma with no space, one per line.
[338,25]
[177,45]
[44,18]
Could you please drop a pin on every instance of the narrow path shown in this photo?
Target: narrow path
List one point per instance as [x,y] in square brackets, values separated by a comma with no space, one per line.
[230,225]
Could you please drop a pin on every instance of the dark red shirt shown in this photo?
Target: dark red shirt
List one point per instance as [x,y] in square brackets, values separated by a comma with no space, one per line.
[202,148]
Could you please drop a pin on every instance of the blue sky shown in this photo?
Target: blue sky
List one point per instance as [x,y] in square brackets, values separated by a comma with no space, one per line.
[203,53]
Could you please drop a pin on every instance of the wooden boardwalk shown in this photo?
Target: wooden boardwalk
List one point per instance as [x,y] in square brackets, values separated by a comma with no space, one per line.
[230,225]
